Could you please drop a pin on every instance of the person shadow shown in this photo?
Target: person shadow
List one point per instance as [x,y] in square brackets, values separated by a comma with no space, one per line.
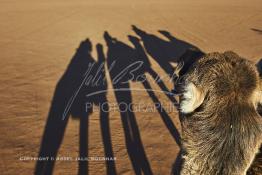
[126,64]
[164,115]
[71,99]
[84,85]
[142,56]
[124,67]
[164,52]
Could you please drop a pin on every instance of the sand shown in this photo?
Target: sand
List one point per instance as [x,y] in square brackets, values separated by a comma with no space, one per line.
[38,40]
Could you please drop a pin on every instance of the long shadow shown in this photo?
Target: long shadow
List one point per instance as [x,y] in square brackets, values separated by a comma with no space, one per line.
[164,51]
[84,85]
[70,99]
[164,116]
[166,119]
[104,113]
[121,61]
[56,122]
[144,58]
[177,165]
[95,81]
[257,30]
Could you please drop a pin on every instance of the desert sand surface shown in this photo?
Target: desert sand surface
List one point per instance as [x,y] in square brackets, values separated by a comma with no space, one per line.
[38,41]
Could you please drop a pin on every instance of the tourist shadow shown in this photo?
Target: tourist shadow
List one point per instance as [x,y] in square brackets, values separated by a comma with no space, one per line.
[121,60]
[84,86]
[142,56]
[166,52]
[165,117]
[71,99]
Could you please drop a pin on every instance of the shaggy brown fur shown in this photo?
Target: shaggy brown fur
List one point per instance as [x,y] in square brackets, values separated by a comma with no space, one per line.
[222,132]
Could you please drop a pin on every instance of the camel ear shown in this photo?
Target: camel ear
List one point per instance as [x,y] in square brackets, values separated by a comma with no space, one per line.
[191,99]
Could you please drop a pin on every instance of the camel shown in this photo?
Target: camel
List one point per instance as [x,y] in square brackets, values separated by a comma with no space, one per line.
[221,128]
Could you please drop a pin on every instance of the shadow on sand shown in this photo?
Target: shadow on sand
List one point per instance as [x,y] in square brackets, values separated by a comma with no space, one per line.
[257,30]
[122,57]
[84,75]
[164,51]
[70,99]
